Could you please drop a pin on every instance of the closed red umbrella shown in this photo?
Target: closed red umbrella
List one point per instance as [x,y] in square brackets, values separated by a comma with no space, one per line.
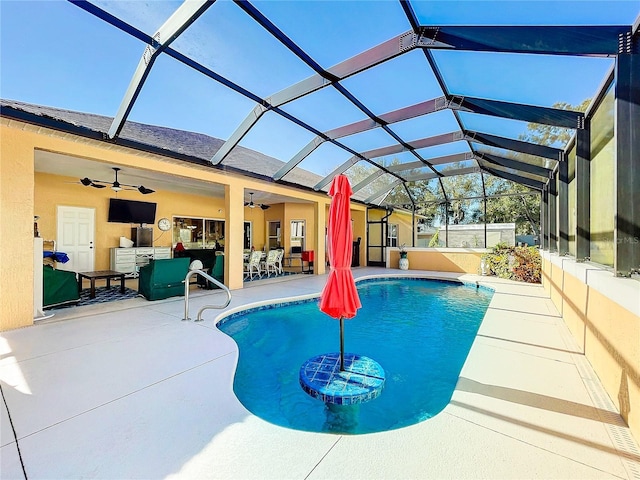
[340,297]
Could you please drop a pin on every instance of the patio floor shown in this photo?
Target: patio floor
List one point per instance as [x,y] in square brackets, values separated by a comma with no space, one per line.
[127,390]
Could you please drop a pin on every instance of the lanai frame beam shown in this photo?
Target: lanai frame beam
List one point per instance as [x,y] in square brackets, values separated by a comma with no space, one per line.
[515,165]
[515,178]
[576,41]
[178,22]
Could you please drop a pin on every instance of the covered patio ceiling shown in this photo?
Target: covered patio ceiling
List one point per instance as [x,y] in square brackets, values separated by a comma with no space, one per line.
[399,96]
[68,166]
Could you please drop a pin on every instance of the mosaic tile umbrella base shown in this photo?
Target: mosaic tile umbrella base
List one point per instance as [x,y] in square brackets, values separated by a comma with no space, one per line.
[361,380]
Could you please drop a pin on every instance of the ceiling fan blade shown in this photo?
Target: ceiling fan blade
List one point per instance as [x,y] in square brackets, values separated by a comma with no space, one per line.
[116,186]
[264,207]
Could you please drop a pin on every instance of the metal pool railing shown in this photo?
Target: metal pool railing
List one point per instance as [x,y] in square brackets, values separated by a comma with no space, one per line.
[205,307]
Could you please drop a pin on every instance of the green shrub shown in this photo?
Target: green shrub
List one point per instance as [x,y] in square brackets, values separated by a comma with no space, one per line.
[515,263]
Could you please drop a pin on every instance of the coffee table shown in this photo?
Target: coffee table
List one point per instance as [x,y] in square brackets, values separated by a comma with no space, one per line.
[100,274]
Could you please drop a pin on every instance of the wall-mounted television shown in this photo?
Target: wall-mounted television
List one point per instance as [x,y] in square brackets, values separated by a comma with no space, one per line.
[131,211]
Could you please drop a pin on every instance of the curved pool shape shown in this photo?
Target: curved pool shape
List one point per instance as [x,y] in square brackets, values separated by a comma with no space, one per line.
[419,330]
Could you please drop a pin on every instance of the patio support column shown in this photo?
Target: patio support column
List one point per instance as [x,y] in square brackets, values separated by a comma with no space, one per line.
[627,178]
[484,210]
[553,214]
[16,231]
[544,214]
[320,216]
[583,195]
[413,225]
[446,224]
[563,205]
[234,236]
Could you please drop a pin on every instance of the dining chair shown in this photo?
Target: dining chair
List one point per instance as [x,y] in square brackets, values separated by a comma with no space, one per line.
[279,262]
[270,263]
[253,265]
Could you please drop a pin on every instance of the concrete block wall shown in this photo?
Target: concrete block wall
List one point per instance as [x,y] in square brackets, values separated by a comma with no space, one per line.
[603,314]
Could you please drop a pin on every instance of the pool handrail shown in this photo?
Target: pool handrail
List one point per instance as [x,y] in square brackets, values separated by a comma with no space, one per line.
[205,307]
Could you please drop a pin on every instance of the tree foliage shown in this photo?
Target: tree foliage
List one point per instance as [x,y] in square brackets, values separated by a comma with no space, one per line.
[550,135]
[507,202]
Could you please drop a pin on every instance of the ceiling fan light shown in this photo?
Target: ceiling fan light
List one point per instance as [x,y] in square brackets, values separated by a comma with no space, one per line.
[116,188]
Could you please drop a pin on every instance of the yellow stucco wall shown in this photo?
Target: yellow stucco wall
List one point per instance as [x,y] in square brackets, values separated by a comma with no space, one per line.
[258,222]
[441,260]
[299,211]
[403,220]
[274,214]
[607,333]
[23,194]
[16,232]
[556,286]
[547,268]
[574,306]
[405,228]
[360,231]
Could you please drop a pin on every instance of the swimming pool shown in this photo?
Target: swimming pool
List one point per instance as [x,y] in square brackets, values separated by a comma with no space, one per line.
[419,330]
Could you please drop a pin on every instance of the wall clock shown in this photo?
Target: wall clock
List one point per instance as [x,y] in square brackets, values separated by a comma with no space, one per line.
[164,224]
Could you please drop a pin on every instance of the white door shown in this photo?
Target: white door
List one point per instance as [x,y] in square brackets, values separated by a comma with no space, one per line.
[76,227]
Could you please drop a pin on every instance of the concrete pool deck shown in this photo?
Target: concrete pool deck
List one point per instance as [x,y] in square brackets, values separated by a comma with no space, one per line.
[128,390]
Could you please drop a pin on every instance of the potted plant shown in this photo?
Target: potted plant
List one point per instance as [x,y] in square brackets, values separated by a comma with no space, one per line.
[404,261]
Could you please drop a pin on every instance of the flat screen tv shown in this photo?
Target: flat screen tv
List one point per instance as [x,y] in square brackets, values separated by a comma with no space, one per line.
[131,211]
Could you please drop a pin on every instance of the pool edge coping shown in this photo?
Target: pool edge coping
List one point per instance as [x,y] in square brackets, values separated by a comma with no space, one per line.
[222,317]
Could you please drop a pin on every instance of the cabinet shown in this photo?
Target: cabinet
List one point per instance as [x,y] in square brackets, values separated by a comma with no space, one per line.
[160,253]
[129,260]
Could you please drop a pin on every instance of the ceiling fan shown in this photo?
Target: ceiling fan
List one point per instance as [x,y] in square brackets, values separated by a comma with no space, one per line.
[250,203]
[116,186]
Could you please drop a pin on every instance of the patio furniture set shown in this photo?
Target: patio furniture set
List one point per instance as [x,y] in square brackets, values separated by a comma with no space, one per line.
[257,262]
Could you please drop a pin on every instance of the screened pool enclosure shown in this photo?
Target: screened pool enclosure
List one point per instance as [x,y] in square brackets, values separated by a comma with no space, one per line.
[453,114]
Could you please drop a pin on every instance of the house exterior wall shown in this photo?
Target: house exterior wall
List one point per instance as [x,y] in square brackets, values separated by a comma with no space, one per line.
[360,231]
[274,214]
[299,211]
[403,220]
[25,193]
[52,191]
[405,228]
[602,313]
[16,231]
[258,226]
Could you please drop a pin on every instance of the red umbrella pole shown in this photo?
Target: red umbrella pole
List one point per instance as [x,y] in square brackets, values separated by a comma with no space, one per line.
[342,344]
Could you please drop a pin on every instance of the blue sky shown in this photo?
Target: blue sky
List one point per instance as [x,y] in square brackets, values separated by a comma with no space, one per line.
[53,53]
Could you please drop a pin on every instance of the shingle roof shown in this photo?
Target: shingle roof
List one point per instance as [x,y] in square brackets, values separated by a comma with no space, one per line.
[183,143]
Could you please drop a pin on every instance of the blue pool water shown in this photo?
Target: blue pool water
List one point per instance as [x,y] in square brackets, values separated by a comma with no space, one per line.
[419,331]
